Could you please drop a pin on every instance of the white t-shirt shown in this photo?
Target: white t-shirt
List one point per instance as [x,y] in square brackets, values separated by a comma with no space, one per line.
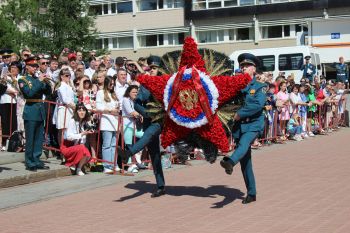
[120,91]
[108,122]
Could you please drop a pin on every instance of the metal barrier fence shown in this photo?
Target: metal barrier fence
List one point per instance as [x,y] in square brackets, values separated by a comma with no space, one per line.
[326,116]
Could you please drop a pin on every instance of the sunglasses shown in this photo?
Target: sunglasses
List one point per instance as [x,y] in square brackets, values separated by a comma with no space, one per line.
[26,55]
[6,57]
[34,65]
[66,75]
[44,63]
[81,109]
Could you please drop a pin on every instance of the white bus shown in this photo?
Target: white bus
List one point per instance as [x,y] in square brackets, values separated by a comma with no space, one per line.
[282,59]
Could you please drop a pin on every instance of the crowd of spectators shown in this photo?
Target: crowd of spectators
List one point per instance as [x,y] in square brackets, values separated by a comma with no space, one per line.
[96,91]
[299,111]
[89,97]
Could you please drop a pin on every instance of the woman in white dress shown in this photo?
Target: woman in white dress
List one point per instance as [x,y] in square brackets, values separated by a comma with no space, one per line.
[107,103]
[66,102]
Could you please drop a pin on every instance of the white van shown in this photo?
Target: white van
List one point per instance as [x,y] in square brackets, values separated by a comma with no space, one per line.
[283,59]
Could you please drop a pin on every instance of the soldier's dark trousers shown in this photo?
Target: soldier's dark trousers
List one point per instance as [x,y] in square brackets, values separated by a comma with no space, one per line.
[243,154]
[34,131]
[150,139]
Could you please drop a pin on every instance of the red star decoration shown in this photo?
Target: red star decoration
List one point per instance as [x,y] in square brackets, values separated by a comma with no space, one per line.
[228,87]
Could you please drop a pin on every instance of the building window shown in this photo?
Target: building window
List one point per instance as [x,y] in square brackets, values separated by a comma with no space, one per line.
[210,36]
[228,3]
[275,31]
[300,28]
[244,34]
[290,61]
[247,2]
[99,44]
[214,3]
[264,1]
[150,5]
[162,39]
[199,5]
[124,7]
[105,9]
[114,8]
[96,10]
[286,30]
[176,38]
[149,41]
[173,4]
[267,63]
[231,34]
[123,42]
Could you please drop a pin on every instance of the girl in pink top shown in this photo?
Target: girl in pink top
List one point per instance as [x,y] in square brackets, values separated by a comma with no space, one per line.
[283,107]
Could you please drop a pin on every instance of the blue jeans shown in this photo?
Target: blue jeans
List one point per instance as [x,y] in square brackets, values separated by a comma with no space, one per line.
[295,130]
[108,147]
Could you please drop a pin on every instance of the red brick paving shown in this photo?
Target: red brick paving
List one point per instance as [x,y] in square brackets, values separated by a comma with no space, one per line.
[302,187]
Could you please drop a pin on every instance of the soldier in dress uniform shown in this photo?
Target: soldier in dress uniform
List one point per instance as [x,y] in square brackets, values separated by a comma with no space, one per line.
[34,115]
[151,130]
[248,125]
[308,69]
[342,72]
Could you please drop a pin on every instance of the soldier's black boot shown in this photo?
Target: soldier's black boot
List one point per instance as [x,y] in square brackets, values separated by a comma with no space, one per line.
[227,164]
[249,199]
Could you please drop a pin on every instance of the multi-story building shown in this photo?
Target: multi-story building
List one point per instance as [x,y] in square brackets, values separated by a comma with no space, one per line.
[142,27]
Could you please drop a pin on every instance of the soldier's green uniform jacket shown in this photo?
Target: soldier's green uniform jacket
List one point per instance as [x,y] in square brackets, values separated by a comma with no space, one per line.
[251,113]
[32,88]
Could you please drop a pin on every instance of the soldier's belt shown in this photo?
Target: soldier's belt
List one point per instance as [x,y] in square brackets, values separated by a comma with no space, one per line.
[35,101]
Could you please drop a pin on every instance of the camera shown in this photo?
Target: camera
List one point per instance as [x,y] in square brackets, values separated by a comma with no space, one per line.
[90,126]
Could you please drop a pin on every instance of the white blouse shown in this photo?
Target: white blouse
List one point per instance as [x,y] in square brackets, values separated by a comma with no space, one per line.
[128,108]
[73,132]
[6,98]
[65,94]
[108,122]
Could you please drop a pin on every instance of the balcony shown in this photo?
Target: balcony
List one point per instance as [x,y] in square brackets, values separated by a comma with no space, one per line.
[212,4]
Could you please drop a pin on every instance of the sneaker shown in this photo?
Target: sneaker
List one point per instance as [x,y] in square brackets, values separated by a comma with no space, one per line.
[304,136]
[3,148]
[80,173]
[117,169]
[298,138]
[311,134]
[107,171]
[73,168]
[133,169]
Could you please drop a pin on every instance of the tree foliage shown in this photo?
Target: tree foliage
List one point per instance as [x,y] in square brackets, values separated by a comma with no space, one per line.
[46,25]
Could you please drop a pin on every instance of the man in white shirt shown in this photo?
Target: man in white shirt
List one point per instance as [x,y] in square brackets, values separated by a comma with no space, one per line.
[121,84]
[91,70]
[106,60]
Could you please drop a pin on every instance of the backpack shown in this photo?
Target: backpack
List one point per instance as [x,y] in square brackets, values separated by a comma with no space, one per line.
[16,142]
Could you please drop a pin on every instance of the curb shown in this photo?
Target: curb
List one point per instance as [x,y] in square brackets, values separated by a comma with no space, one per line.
[34,177]
[11,157]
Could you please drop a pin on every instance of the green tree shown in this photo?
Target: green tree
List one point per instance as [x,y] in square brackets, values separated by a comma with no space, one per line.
[66,24]
[47,25]
[14,18]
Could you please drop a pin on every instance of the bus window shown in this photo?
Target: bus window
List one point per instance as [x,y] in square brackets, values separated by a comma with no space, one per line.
[290,61]
[267,63]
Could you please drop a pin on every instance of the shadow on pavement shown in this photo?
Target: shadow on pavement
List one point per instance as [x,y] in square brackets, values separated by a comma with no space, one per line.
[5,168]
[229,194]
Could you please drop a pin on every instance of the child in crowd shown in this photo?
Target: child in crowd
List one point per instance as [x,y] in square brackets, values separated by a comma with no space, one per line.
[294,127]
[270,107]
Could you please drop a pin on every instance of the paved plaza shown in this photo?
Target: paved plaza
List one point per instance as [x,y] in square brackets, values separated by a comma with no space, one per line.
[302,187]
